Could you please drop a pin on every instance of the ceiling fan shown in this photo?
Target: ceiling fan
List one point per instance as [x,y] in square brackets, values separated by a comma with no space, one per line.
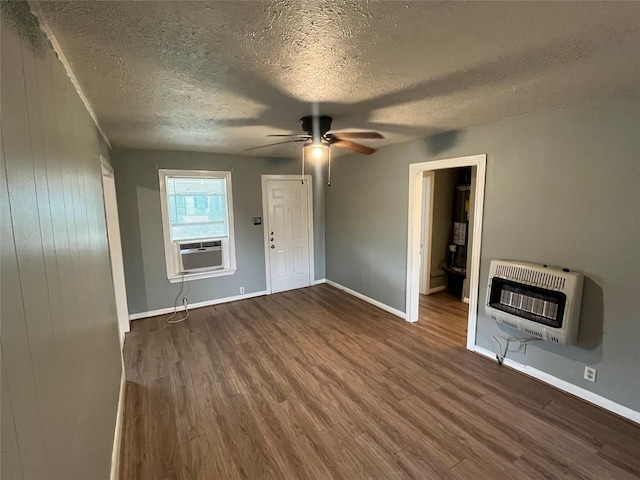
[318,139]
[317,133]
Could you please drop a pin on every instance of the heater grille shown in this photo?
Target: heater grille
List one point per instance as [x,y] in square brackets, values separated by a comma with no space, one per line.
[535,333]
[528,301]
[530,277]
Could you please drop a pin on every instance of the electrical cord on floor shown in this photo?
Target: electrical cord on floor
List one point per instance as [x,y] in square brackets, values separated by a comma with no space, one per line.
[520,340]
[185,303]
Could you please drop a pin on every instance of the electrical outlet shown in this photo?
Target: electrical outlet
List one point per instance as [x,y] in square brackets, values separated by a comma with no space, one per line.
[590,374]
[241,290]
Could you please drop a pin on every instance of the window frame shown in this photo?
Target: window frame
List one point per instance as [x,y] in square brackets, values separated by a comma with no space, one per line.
[171,249]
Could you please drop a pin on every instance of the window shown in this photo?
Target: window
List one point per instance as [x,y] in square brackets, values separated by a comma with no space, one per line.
[197,207]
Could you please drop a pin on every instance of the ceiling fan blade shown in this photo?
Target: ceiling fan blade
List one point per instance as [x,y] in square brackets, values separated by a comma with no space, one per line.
[356,147]
[301,135]
[277,143]
[372,135]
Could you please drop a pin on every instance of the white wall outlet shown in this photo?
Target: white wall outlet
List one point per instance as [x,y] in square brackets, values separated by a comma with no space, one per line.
[590,374]
[241,290]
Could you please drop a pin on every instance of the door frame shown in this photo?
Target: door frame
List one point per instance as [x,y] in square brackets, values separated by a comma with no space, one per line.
[117,277]
[416,172]
[267,261]
[426,244]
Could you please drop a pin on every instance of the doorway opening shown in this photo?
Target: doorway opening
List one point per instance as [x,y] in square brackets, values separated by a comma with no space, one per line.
[287,206]
[447,211]
[444,240]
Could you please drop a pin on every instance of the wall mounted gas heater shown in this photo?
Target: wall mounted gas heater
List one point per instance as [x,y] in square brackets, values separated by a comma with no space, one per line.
[540,301]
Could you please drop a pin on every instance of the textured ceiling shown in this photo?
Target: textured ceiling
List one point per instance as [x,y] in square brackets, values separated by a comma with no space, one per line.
[219,76]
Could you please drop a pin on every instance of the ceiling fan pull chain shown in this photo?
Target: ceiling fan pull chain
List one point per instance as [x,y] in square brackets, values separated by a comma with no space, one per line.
[303,166]
[329,169]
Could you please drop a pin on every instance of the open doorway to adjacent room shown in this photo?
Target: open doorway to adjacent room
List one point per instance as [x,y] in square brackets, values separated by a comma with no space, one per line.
[445,220]
[447,212]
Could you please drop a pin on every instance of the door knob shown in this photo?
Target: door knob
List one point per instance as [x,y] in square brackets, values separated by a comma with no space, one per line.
[273,246]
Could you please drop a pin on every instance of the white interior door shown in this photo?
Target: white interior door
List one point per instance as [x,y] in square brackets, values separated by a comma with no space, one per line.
[115,251]
[287,205]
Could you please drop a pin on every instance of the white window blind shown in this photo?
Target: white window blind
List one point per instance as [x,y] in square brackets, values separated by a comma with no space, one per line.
[197,207]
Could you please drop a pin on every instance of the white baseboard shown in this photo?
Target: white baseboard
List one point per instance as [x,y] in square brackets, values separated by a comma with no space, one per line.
[466,300]
[370,300]
[318,282]
[117,436]
[206,303]
[565,386]
[437,289]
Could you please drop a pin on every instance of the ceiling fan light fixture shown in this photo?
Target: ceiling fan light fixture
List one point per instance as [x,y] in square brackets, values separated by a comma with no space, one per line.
[316,152]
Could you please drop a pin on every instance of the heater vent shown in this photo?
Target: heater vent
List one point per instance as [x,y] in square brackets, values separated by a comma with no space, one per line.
[530,277]
[510,324]
[535,333]
[540,301]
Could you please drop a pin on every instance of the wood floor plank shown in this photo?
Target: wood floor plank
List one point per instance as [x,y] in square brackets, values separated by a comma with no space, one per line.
[472,467]
[419,462]
[540,466]
[371,412]
[316,384]
[622,458]
[241,435]
[481,428]
[298,425]
[595,425]
[359,460]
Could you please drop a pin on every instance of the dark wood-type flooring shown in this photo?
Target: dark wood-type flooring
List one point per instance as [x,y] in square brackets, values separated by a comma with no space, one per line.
[315,383]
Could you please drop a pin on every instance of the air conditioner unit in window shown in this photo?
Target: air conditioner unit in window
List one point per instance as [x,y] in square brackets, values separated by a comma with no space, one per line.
[200,256]
[538,300]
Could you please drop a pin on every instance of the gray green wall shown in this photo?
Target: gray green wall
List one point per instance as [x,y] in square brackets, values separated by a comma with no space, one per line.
[61,365]
[141,223]
[562,188]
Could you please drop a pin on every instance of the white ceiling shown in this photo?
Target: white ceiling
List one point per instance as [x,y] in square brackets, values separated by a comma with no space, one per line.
[219,76]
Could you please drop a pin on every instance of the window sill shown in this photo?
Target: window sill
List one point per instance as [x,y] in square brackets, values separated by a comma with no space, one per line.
[202,275]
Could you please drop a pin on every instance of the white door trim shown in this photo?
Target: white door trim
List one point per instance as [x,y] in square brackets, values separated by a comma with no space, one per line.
[107,169]
[267,264]
[416,172]
[115,250]
[426,241]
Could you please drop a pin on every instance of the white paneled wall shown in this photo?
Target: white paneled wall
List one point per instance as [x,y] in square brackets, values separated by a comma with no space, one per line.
[60,352]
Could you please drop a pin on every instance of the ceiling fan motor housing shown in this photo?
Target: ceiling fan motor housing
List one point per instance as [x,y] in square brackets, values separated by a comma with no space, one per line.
[316,126]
